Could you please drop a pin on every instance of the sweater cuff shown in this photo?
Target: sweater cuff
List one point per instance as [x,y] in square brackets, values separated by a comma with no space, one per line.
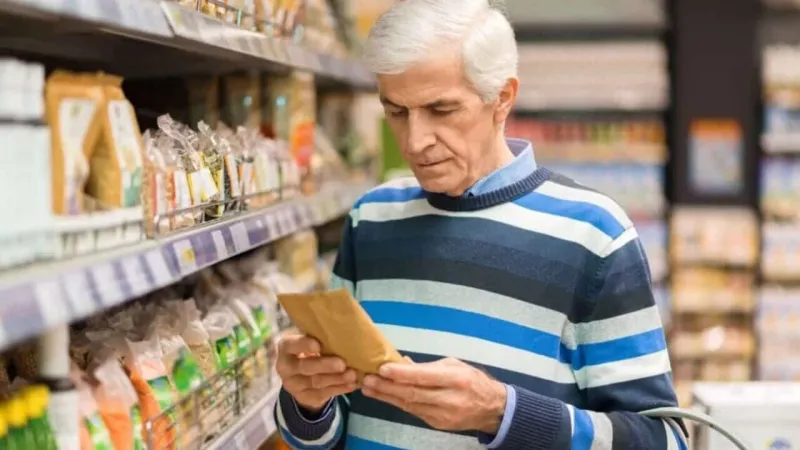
[536,423]
[291,419]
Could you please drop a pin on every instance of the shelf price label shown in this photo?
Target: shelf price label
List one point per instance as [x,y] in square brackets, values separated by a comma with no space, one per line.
[241,241]
[52,304]
[158,268]
[241,441]
[135,275]
[79,293]
[107,284]
[219,244]
[187,260]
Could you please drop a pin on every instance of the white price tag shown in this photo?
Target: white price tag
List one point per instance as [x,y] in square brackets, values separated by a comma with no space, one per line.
[272,226]
[108,285]
[241,242]
[219,245]
[287,222]
[187,260]
[51,302]
[269,420]
[158,268]
[241,441]
[136,276]
[79,293]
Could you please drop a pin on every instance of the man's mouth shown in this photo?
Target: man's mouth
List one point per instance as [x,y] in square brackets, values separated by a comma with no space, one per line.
[432,164]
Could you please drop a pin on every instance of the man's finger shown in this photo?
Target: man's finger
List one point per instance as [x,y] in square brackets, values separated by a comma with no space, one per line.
[320,365]
[397,402]
[336,379]
[334,391]
[420,374]
[408,392]
[297,344]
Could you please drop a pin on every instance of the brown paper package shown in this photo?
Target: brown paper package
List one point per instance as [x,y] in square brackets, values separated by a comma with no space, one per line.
[342,327]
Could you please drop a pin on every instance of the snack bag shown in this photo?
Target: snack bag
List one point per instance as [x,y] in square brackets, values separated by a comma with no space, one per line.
[94,434]
[150,380]
[72,106]
[118,405]
[115,177]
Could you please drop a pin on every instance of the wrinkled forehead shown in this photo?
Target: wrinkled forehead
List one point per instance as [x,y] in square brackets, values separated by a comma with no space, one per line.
[436,81]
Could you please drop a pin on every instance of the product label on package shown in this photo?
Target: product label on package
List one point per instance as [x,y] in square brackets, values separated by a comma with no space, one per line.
[136,422]
[62,411]
[98,433]
[75,118]
[162,391]
[261,321]
[124,132]
[243,340]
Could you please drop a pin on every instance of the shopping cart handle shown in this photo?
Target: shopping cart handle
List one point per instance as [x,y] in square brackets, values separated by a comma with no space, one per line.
[702,419]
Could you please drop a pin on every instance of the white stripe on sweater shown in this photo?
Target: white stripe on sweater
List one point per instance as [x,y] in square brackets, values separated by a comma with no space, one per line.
[445,344]
[566,229]
[562,192]
[621,371]
[509,309]
[407,436]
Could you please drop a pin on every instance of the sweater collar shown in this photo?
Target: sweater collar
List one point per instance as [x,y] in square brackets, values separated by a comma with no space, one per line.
[512,172]
[506,184]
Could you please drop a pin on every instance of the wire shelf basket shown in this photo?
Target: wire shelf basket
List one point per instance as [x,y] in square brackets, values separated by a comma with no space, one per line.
[196,420]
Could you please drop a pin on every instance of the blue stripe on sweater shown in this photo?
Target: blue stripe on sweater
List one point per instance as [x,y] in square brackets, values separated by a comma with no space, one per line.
[356,443]
[585,212]
[391,195]
[582,430]
[502,332]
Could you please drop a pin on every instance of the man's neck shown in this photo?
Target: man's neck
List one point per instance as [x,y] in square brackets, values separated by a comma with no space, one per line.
[501,156]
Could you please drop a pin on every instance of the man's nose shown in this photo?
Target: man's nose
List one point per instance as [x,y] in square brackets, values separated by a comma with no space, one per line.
[420,133]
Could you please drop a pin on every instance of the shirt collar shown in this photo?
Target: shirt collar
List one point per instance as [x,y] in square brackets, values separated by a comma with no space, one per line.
[512,172]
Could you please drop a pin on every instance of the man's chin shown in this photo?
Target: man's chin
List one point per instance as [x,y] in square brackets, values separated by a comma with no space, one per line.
[439,186]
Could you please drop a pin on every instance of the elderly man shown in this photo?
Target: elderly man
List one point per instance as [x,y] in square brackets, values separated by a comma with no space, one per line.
[522,298]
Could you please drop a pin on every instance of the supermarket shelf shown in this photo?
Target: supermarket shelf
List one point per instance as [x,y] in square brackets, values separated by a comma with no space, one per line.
[147,38]
[781,142]
[44,295]
[253,429]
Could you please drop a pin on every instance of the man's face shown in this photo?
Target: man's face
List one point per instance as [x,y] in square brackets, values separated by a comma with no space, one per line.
[445,131]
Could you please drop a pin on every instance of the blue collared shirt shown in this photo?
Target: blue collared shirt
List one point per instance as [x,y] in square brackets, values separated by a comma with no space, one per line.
[515,170]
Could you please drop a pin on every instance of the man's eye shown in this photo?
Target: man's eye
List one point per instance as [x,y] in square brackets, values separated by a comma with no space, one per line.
[442,112]
[398,113]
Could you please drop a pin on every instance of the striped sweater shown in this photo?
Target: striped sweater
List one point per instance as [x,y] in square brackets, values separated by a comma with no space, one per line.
[542,283]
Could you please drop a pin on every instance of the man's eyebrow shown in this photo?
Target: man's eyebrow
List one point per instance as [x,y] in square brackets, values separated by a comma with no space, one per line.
[441,103]
[386,101]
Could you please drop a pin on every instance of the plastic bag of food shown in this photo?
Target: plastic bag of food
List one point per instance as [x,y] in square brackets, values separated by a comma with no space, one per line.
[197,338]
[258,365]
[219,323]
[93,435]
[150,380]
[118,405]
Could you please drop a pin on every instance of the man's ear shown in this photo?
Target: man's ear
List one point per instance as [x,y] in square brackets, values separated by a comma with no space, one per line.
[505,100]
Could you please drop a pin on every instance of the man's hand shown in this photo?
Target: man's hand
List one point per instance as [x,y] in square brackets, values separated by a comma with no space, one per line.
[447,394]
[312,379]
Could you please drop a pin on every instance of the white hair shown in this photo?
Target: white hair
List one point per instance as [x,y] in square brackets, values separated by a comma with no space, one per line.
[413,31]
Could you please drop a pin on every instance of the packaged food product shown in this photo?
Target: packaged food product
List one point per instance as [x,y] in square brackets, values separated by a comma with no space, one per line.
[220,322]
[72,104]
[150,380]
[248,324]
[343,328]
[94,433]
[211,151]
[156,193]
[197,338]
[24,359]
[115,177]
[118,406]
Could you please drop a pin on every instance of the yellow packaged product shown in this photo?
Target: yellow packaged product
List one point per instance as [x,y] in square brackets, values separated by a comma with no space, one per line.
[72,107]
[115,178]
